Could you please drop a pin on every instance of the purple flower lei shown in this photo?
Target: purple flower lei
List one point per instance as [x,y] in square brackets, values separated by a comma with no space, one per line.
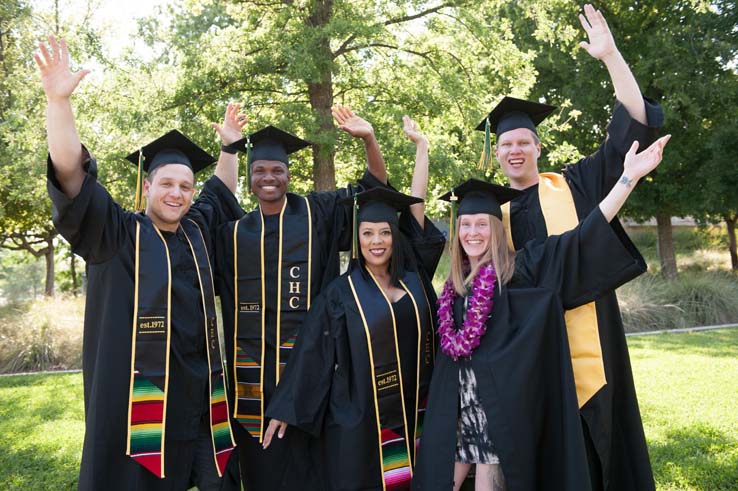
[460,343]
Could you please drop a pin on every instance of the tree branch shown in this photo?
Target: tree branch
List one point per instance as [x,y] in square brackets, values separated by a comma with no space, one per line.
[423,13]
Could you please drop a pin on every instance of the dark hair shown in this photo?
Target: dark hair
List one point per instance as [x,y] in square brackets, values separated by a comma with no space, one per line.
[401,259]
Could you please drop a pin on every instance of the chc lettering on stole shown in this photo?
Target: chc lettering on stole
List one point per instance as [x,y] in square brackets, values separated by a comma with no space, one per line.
[295,290]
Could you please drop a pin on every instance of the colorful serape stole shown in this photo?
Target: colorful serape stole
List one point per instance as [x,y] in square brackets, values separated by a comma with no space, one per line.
[293,300]
[389,400]
[146,440]
[151,341]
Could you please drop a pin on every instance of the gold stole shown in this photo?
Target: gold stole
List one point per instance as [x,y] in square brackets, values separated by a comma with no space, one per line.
[560,215]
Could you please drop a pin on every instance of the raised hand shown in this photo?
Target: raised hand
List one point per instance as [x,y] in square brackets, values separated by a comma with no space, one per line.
[637,165]
[412,131]
[601,43]
[56,77]
[233,122]
[350,122]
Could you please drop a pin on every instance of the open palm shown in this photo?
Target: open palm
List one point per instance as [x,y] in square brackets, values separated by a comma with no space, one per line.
[56,77]
[601,43]
[637,165]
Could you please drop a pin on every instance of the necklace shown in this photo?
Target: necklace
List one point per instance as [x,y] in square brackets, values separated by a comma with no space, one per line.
[460,343]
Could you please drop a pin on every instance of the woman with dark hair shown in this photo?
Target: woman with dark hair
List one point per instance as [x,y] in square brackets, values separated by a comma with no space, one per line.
[503,395]
[359,373]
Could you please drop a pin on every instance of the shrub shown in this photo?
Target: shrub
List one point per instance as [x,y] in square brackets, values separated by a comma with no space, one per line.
[44,334]
[695,298]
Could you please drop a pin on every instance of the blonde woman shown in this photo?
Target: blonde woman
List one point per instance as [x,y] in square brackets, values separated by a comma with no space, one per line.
[502,395]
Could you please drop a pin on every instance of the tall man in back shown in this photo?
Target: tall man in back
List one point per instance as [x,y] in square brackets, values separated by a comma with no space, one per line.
[155,406]
[551,204]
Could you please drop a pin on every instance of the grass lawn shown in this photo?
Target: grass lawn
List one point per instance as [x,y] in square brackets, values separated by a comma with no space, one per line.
[686,384]
[688,393]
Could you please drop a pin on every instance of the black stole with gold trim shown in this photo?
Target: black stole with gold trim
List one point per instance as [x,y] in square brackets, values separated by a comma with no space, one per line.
[396,442]
[294,296]
[151,342]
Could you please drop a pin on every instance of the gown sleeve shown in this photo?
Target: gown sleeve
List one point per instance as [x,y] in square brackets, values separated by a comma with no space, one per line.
[337,217]
[92,223]
[596,174]
[427,243]
[301,398]
[582,264]
[215,205]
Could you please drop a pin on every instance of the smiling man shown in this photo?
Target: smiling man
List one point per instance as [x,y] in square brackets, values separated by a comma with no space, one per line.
[155,410]
[552,204]
[271,264]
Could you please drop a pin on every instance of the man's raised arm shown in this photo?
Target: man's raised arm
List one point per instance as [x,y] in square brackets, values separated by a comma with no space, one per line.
[59,82]
[602,46]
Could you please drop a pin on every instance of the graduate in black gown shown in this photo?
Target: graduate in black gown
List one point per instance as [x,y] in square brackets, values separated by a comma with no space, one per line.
[359,375]
[155,409]
[553,203]
[503,395]
[272,263]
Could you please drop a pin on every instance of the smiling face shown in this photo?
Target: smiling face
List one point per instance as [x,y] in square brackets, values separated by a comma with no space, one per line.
[517,152]
[474,235]
[169,193]
[269,180]
[375,241]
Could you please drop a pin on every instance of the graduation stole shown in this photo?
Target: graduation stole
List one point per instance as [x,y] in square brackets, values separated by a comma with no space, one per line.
[560,215]
[150,348]
[249,287]
[394,443]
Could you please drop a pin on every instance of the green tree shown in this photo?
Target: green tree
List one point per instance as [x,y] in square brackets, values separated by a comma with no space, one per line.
[444,63]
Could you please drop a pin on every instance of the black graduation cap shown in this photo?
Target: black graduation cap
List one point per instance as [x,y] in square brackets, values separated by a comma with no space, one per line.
[270,143]
[376,205]
[475,196]
[171,148]
[380,204]
[511,113]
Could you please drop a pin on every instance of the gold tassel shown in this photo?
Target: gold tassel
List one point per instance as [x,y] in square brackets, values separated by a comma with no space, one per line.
[452,222]
[138,200]
[355,230]
[485,162]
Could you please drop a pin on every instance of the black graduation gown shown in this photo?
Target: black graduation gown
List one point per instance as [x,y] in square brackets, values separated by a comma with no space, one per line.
[612,419]
[103,233]
[327,385]
[286,464]
[523,368]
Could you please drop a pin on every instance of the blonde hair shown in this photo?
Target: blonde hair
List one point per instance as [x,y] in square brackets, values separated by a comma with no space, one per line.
[498,253]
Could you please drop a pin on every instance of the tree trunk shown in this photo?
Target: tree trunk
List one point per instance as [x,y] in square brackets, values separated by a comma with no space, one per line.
[730,224]
[49,256]
[73,271]
[666,246]
[320,91]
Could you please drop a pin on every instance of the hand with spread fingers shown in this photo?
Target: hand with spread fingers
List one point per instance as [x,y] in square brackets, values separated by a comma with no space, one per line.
[637,165]
[275,426]
[601,43]
[351,123]
[233,123]
[56,76]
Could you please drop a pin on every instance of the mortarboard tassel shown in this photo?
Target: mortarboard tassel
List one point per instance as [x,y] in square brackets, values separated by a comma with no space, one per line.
[485,162]
[248,164]
[452,224]
[138,200]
